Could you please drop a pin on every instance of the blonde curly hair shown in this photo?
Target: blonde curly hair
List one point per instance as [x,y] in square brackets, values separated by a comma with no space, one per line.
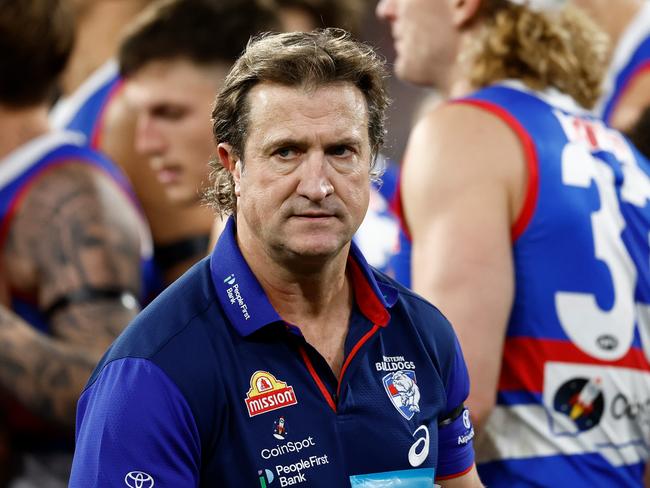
[561,48]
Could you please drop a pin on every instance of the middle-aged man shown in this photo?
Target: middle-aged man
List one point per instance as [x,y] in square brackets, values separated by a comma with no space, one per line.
[530,221]
[285,325]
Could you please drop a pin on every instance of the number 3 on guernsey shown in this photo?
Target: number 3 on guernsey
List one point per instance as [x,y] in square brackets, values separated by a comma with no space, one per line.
[579,313]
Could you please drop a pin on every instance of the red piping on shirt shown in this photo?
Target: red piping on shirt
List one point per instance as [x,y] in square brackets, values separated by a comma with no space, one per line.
[354,350]
[455,475]
[317,379]
[532,162]
[372,308]
[365,296]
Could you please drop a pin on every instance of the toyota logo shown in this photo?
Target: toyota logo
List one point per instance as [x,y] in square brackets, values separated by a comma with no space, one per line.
[138,479]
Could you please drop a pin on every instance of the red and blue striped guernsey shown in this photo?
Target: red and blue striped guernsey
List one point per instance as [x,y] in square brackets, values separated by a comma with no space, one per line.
[573,405]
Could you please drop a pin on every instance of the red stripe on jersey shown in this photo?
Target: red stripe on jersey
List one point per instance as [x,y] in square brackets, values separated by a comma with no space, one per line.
[398,208]
[524,360]
[530,155]
[96,136]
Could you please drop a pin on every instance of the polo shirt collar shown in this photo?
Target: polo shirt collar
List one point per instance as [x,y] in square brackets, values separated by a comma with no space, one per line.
[247,306]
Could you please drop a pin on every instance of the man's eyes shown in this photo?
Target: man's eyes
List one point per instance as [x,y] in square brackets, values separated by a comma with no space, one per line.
[338,151]
[341,151]
[286,152]
[169,112]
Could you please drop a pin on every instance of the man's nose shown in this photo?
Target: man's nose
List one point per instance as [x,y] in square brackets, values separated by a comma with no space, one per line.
[315,183]
[148,139]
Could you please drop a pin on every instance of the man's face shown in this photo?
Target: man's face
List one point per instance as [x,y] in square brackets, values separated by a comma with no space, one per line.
[174,100]
[304,182]
[423,36]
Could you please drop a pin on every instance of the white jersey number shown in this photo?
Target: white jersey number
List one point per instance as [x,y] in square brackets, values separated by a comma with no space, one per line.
[586,324]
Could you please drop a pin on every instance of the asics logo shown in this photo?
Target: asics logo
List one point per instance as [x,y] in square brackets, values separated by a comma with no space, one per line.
[420,448]
[138,479]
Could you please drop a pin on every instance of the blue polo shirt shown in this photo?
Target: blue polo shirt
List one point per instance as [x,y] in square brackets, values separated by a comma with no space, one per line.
[210,387]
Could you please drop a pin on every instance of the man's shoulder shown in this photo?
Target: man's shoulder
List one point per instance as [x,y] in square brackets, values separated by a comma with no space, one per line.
[421,324]
[180,321]
[423,315]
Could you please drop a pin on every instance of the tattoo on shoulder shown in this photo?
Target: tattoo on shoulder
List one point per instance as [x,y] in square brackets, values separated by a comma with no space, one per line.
[79,230]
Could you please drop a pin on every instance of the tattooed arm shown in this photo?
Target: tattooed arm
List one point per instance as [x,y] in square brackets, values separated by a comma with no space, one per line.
[75,244]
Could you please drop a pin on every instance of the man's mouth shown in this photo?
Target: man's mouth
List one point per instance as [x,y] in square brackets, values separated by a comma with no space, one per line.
[168,175]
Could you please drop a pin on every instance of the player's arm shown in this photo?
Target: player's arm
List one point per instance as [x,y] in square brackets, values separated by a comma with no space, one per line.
[79,237]
[634,100]
[460,165]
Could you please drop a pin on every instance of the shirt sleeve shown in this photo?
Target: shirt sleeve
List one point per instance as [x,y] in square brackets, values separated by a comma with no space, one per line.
[455,432]
[135,428]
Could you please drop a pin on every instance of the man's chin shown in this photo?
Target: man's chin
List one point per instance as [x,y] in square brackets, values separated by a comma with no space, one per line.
[314,251]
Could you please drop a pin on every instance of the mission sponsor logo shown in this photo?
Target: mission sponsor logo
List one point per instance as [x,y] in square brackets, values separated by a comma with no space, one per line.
[267,394]
[403,391]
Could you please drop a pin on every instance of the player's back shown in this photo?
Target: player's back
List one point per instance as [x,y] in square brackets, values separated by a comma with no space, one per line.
[575,364]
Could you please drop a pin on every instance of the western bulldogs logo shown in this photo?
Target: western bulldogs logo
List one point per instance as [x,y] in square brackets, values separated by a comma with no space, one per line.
[403,391]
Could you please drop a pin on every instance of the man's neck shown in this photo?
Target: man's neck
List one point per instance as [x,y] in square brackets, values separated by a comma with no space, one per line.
[19,126]
[317,298]
[301,292]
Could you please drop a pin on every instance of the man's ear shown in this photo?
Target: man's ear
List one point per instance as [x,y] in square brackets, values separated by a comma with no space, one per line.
[229,160]
[463,11]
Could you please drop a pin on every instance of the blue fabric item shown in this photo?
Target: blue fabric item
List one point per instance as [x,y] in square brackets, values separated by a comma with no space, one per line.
[263,407]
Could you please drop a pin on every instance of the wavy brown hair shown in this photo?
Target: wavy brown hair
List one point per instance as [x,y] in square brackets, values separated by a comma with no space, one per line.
[561,48]
[296,59]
